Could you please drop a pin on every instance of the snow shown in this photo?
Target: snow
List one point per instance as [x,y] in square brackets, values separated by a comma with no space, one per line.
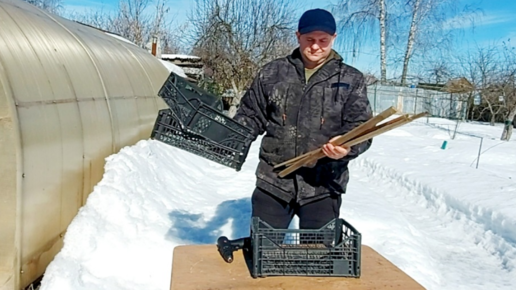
[174,68]
[179,56]
[121,38]
[428,210]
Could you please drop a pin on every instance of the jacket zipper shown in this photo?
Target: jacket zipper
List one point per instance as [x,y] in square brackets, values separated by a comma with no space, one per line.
[305,89]
[284,116]
[322,110]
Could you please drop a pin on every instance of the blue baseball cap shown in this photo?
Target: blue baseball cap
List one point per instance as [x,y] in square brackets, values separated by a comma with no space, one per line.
[317,20]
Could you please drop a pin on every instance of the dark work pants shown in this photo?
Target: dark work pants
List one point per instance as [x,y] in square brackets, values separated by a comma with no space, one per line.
[278,213]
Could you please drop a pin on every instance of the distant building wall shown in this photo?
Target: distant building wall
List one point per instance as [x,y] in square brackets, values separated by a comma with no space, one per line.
[415,100]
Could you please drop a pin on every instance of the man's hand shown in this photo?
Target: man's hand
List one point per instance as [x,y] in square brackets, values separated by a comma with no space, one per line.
[335,152]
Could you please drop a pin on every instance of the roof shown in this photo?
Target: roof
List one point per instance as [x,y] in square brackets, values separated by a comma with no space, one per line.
[459,85]
[180,57]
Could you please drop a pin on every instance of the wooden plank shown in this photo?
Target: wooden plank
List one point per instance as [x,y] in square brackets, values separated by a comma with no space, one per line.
[367,126]
[348,142]
[383,129]
[368,134]
[371,123]
[200,267]
[312,158]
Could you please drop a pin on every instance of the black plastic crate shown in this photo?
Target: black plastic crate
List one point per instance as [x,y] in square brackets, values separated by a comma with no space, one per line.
[208,138]
[333,250]
[184,98]
[195,123]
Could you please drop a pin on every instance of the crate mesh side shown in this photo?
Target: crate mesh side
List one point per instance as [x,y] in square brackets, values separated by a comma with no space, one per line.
[194,126]
[228,122]
[178,104]
[305,252]
[167,130]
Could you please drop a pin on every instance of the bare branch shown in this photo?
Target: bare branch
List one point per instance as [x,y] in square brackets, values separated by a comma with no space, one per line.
[236,37]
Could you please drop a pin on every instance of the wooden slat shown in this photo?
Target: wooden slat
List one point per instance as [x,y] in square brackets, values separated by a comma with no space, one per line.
[311,160]
[371,123]
[316,156]
[308,160]
[365,127]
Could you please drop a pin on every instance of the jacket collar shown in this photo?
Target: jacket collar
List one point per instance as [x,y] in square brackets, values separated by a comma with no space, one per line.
[328,70]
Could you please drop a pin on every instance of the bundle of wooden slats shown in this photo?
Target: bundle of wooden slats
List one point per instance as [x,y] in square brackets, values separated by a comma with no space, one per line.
[372,128]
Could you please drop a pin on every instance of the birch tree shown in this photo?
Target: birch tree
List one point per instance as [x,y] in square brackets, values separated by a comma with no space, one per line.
[509,95]
[358,21]
[416,18]
[509,90]
[383,40]
[433,26]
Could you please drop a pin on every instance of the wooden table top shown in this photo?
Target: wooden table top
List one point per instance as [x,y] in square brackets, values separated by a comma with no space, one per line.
[200,267]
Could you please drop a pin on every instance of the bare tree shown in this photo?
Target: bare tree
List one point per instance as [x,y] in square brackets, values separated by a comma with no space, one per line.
[131,22]
[164,29]
[359,20]
[432,26]
[411,38]
[491,96]
[492,70]
[383,40]
[236,37]
[136,21]
[486,65]
[439,72]
[508,86]
[96,17]
[509,95]
[172,39]
[52,6]
[480,68]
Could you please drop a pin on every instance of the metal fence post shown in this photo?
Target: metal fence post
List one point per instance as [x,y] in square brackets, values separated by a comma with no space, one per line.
[415,102]
[479,150]
[456,128]
[374,103]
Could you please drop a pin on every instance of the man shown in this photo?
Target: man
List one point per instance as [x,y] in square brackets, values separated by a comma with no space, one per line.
[300,102]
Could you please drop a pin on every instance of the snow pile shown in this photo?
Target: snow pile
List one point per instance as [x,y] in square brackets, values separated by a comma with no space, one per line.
[428,210]
[173,68]
[179,56]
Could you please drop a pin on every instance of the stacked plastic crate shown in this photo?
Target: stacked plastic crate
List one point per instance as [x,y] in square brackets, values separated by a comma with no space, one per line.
[194,122]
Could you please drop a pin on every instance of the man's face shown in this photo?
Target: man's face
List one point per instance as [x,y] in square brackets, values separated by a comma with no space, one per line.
[315,46]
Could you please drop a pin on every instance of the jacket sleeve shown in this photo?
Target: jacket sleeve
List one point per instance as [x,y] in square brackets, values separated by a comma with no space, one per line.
[356,111]
[252,112]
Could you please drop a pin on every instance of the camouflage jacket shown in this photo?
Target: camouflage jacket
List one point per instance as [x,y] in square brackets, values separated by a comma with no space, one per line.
[298,117]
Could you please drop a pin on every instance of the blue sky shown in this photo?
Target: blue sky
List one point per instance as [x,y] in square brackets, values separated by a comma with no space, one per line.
[496,23]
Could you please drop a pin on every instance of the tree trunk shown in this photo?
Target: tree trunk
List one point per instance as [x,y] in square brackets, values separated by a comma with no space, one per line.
[383,53]
[236,100]
[507,128]
[493,120]
[471,105]
[491,111]
[410,42]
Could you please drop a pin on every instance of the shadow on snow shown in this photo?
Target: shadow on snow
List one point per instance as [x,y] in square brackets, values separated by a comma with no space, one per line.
[190,227]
